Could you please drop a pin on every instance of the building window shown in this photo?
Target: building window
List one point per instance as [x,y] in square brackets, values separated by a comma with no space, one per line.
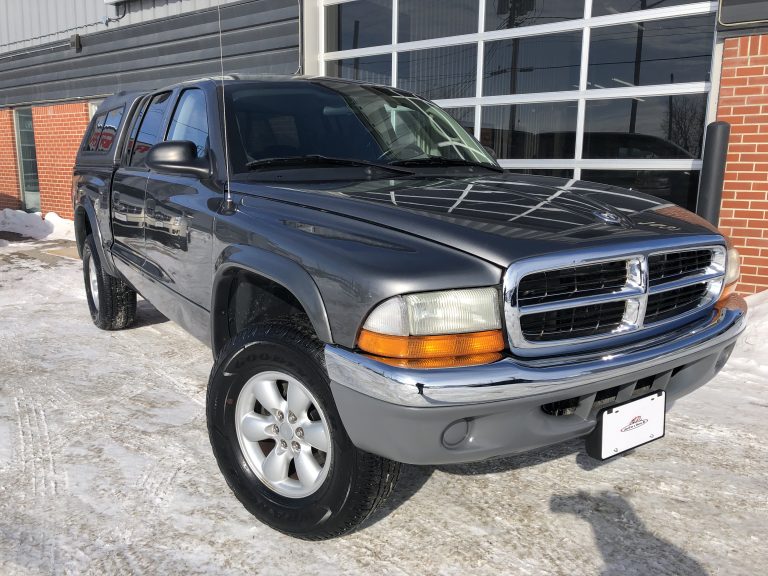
[610,90]
[27,153]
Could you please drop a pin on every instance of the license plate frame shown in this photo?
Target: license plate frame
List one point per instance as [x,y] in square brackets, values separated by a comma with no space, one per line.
[628,425]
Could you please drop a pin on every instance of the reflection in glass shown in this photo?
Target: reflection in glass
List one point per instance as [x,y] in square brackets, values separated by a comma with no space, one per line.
[439,72]
[464,116]
[677,186]
[151,125]
[190,121]
[423,19]
[649,127]
[358,24]
[375,69]
[542,130]
[535,64]
[109,130]
[657,52]
[604,7]
[500,14]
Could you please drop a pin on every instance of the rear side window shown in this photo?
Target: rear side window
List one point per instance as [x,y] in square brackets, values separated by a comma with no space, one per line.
[109,131]
[190,121]
[92,142]
[150,132]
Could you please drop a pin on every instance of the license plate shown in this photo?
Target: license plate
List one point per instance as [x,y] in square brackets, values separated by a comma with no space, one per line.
[626,426]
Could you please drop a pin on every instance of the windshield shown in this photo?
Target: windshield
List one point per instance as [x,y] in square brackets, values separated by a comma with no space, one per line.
[340,120]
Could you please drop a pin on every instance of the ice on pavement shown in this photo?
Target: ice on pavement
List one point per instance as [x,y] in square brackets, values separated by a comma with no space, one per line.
[105,468]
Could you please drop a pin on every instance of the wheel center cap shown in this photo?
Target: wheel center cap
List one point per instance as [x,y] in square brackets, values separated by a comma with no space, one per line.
[286,432]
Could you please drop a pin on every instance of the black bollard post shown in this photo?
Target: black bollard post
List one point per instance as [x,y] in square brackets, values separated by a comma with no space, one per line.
[713,171]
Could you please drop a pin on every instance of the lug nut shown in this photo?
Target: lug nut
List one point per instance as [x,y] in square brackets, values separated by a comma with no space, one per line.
[283,444]
[291,417]
[295,445]
[300,432]
[279,415]
[275,429]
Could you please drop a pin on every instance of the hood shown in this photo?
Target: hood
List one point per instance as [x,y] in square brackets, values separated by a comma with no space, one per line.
[500,218]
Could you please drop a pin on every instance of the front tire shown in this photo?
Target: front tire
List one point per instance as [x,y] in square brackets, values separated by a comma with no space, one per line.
[279,441]
[111,301]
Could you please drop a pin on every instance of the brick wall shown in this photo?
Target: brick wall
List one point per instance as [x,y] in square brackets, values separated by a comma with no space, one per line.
[10,194]
[743,102]
[58,133]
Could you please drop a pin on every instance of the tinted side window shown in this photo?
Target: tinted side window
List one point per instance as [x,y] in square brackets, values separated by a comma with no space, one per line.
[150,132]
[93,136]
[190,121]
[109,131]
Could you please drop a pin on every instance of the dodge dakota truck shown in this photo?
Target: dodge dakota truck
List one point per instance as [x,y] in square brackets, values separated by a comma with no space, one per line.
[377,290]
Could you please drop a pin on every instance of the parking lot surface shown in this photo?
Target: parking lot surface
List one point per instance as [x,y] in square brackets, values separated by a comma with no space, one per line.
[105,468]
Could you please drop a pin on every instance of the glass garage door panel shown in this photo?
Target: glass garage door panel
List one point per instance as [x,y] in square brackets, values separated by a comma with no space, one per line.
[358,24]
[501,14]
[606,7]
[530,131]
[537,64]
[25,137]
[658,127]
[437,73]
[645,53]
[376,69]
[425,19]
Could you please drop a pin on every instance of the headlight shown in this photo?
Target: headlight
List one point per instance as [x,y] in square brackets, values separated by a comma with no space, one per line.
[732,266]
[436,329]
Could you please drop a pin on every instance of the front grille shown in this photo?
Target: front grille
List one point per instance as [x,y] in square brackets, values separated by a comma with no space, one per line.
[568,323]
[672,266]
[576,304]
[665,305]
[573,282]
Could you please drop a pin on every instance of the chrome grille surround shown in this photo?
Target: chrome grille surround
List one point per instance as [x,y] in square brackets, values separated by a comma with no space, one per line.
[635,292]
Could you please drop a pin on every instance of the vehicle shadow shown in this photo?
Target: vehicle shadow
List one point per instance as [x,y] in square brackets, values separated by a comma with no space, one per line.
[625,542]
[147,315]
[412,478]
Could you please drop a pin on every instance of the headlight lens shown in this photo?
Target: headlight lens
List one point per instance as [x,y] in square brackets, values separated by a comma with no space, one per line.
[732,266]
[436,329]
[433,313]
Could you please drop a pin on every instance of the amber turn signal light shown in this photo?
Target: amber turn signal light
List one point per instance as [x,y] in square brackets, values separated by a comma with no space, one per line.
[445,345]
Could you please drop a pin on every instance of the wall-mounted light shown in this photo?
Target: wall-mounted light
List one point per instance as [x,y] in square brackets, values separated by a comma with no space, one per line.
[75,42]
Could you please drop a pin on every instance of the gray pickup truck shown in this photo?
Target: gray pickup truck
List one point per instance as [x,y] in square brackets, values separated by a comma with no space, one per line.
[377,290]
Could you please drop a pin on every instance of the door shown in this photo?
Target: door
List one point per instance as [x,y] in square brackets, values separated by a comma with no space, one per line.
[130,182]
[25,138]
[179,223]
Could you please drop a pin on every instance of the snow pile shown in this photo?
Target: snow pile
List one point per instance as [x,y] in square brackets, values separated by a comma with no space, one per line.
[749,356]
[53,227]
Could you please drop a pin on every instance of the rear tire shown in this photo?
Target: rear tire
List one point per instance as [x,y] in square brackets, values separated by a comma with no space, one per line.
[111,301]
[347,485]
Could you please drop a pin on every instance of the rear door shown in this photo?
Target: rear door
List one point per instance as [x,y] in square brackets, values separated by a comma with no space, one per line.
[130,182]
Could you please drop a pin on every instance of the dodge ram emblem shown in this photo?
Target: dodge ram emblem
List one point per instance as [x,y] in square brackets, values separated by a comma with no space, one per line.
[608,217]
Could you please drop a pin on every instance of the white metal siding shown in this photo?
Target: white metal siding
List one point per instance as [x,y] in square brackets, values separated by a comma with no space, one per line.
[25,23]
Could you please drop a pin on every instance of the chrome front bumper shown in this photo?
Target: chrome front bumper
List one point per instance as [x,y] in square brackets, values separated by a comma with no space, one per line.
[513,378]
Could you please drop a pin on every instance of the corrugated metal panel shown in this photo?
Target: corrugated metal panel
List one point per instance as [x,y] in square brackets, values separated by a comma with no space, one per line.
[259,36]
[25,23]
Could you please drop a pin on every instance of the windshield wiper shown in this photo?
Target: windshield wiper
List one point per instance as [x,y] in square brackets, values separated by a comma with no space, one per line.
[319,160]
[441,161]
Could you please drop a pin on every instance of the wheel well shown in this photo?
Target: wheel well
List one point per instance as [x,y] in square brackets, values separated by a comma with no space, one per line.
[253,300]
[82,228]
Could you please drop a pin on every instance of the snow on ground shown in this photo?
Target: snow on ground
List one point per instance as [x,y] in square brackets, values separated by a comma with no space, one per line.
[105,468]
[33,225]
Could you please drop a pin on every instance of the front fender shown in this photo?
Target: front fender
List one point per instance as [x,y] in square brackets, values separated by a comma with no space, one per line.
[273,267]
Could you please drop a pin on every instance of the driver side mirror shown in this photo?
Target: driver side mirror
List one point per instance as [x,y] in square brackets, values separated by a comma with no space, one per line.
[491,151]
[178,157]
